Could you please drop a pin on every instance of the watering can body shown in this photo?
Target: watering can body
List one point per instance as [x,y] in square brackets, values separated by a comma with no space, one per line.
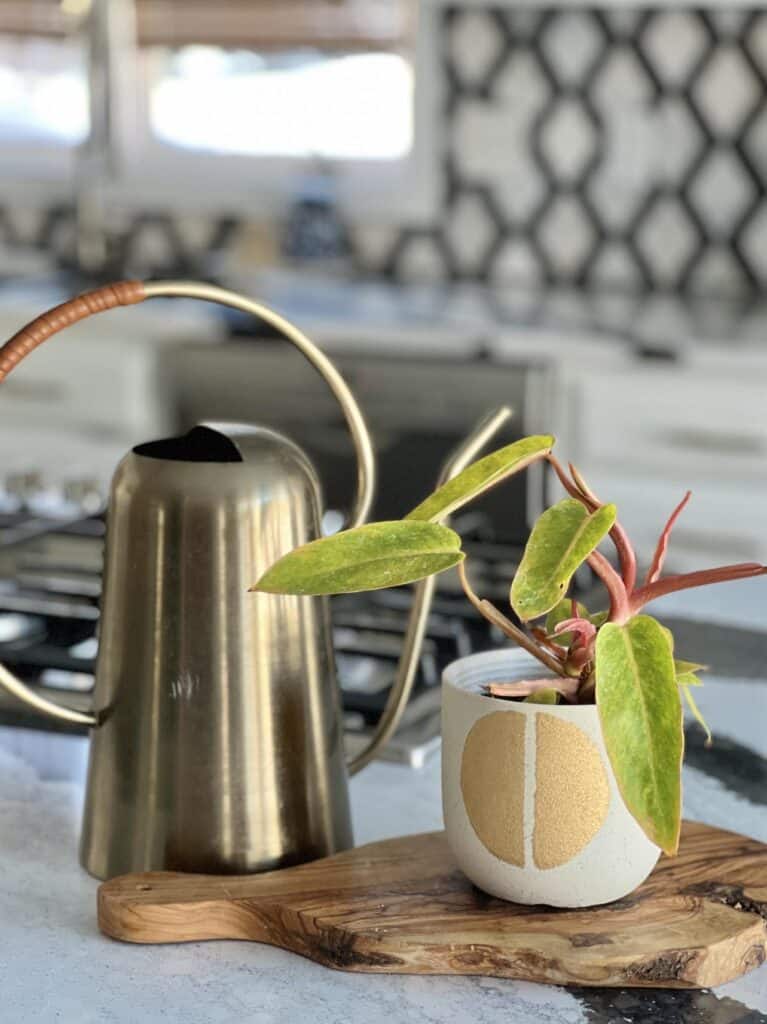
[219,745]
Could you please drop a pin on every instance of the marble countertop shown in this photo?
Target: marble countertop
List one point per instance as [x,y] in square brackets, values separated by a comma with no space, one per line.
[459,319]
[56,966]
[456,320]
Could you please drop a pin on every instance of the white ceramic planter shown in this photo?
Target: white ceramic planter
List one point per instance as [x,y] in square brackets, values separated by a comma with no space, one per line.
[531,806]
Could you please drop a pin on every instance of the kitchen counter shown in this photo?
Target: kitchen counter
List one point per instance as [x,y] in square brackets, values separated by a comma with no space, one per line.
[462,319]
[56,966]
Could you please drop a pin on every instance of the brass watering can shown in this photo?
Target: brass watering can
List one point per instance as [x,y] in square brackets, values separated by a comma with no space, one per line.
[217,741]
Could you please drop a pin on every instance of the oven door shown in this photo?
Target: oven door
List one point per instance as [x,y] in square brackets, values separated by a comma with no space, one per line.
[418,410]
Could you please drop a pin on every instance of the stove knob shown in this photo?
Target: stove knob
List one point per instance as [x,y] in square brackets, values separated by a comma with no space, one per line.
[23,488]
[85,493]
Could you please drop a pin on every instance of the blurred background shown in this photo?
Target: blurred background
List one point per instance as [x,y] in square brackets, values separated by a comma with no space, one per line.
[560,208]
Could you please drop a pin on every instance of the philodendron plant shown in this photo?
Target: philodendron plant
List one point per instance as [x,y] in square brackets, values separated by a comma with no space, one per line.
[620,658]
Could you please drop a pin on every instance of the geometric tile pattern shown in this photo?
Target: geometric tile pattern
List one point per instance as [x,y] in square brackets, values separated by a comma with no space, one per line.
[147,244]
[620,148]
[599,147]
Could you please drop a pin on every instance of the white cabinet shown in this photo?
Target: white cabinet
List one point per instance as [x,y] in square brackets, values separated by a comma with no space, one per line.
[674,419]
[644,433]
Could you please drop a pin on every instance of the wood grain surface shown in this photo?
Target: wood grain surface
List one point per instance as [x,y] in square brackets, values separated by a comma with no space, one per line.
[403,907]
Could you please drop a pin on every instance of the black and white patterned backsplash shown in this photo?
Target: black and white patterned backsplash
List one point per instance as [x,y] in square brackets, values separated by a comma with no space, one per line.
[621,148]
[598,147]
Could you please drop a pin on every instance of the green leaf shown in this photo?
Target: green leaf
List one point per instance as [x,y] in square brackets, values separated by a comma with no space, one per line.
[684,667]
[562,611]
[696,711]
[640,710]
[543,697]
[369,557]
[564,536]
[688,679]
[599,618]
[480,476]
[686,672]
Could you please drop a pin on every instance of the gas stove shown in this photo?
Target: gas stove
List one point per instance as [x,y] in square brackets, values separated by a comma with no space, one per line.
[50,583]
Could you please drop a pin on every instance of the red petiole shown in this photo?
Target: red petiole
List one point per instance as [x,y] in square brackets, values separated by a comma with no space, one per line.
[574,666]
[688,580]
[626,599]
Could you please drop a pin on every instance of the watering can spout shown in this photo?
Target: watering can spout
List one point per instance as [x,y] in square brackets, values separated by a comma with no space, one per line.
[423,596]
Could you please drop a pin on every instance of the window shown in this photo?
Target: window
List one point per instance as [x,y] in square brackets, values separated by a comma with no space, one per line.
[299,103]
[43,91]
[222,105]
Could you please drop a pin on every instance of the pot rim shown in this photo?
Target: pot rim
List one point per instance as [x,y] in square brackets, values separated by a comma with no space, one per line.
[466,675]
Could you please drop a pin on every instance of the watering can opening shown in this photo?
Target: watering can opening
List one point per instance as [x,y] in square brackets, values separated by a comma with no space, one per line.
[200,444]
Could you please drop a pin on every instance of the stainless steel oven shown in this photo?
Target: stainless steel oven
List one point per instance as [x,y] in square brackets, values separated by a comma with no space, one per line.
[418,409]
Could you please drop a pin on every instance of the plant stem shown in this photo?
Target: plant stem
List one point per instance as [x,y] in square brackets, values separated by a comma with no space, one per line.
[660,552]
[587,690]
[567,483]
[492,614]
[540,636]
[627,556]
[618,535]
[579,489]
[620,601]
[566,687]
[688,580]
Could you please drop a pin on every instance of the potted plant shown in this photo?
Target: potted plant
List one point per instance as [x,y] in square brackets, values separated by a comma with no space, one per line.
[561,758]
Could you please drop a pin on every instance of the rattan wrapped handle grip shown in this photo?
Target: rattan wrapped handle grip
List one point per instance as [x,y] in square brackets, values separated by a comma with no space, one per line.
[123,293]
[128,293]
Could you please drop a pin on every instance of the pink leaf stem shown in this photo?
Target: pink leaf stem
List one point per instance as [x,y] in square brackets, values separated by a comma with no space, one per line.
[524,687]
[688,580]
[567,483]
[584,630]
[620,607]
[581,492]
[618,535]
[660,552]
[582,486]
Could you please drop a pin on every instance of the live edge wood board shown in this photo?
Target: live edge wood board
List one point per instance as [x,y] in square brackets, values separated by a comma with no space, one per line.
[403,907]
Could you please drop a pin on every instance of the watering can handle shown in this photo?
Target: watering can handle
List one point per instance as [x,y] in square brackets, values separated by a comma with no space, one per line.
[423,595]
[128,293]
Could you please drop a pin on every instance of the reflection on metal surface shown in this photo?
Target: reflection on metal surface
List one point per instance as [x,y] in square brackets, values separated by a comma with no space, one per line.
[14,628]
[219,746]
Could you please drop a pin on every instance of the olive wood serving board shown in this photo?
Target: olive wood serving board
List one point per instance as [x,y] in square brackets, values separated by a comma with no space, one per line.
[402,906]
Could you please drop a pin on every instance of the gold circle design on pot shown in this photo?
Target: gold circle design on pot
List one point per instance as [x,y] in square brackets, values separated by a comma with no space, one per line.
[571,791]
[493,783]
[568,796]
